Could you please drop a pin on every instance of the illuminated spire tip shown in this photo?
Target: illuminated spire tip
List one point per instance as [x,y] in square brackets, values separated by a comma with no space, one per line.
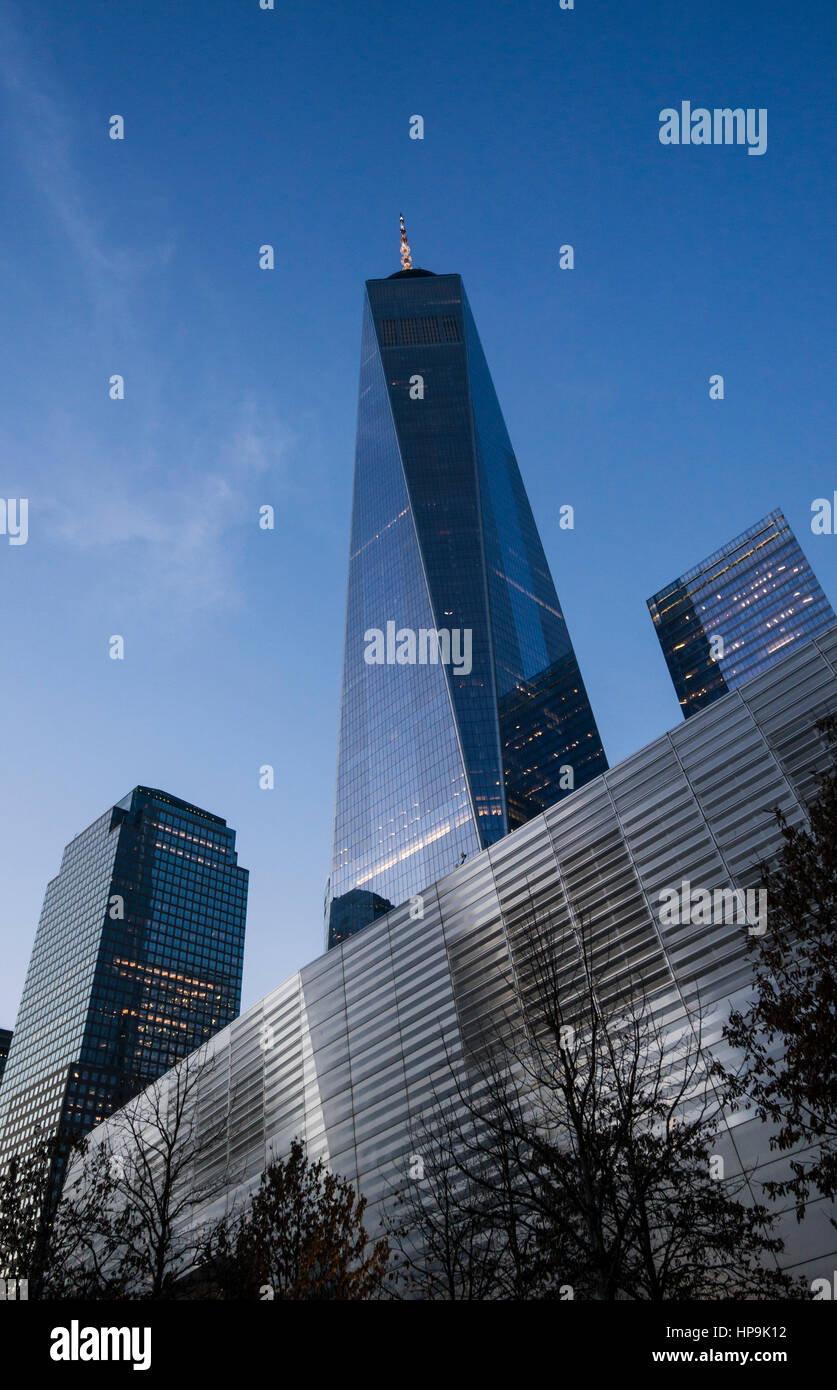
[406,258]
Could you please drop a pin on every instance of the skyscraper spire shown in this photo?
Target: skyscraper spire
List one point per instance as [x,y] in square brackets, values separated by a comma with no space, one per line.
[441,757]
[406,258]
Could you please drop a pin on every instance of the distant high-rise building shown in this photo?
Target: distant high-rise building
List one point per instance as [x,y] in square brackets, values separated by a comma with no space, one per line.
[5,1043]
[137,961]
[737,612]
[463,709]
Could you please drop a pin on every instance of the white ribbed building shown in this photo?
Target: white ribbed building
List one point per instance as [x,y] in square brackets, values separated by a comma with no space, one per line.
[349,1051]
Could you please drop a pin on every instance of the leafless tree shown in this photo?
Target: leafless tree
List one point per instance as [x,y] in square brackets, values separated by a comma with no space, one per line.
[61,1246]
[90,1233]
[24,1203]
[150,1150]
[450,1236]
[586,1163]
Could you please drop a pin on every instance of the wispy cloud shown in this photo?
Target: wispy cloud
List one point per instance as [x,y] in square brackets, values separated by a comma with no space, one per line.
[176,535]
[172,503]
[43,131]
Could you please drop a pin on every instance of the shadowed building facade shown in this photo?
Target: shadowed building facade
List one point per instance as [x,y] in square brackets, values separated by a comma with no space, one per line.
[737,612]
[5,1044]
[137,961]
[446,743]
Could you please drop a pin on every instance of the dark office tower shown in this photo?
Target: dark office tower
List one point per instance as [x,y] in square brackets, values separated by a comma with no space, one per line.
[737,612]
[137,961]
[5,1042]
[446,744]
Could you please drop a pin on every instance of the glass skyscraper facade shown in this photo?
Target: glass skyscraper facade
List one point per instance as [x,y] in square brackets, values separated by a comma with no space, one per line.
[446,744]
[137,961]
[737,612]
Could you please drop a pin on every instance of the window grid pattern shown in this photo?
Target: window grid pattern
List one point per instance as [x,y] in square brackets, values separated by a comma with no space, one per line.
[433,763]
[758,595]
[137,961]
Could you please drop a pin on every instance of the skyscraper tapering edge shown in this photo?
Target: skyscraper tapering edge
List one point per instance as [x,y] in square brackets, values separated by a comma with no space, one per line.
[463,710]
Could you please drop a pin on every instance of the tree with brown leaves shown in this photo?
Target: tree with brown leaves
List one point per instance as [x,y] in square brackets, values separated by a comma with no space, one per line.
[301,1237]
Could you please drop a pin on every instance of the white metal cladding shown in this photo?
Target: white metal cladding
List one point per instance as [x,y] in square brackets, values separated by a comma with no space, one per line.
[349,1052]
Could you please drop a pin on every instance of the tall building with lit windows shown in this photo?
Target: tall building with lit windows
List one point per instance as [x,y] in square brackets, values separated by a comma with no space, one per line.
[137,961]
[463,710]
[737,612]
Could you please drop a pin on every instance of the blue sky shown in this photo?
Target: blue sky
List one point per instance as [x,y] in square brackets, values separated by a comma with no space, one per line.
[291,126]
